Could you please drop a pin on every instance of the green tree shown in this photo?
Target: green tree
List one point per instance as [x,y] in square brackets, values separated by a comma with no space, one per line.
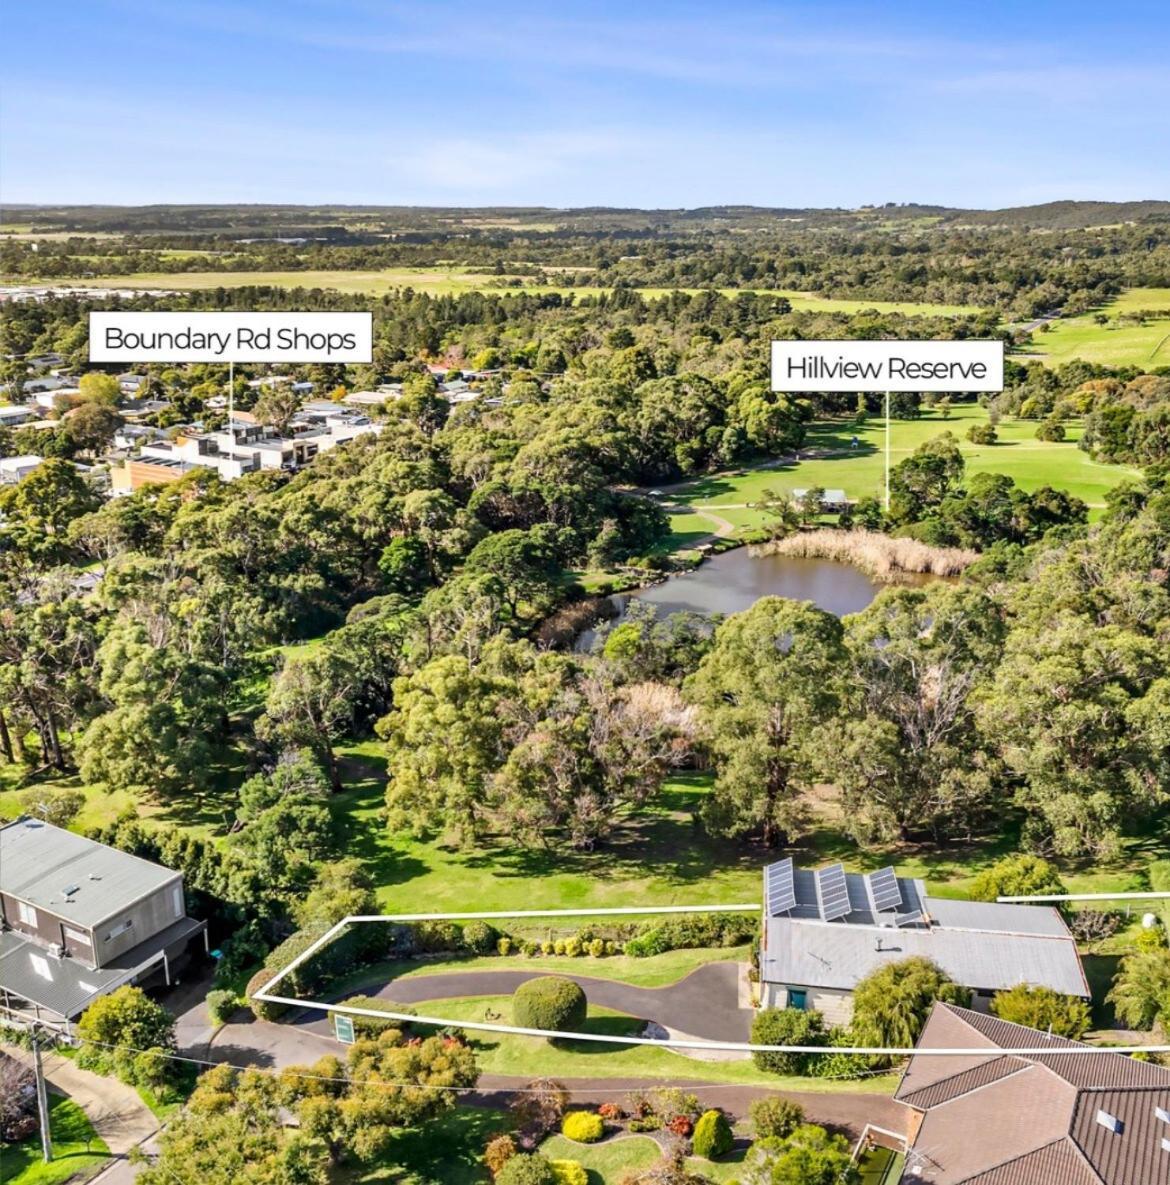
[40,507]
[342,888]
[277,405]
[907,751]
[116,1029]
[162,709]
[526,565]
[809,1156]
[891,1004]
[775,1116]
[97,387]
[1020,875]
[310,703]
[91,426]
[921,482]
[232,1132]
[1141,989]
[527,1168]
[770,679]
[444,738]
[1042,1008]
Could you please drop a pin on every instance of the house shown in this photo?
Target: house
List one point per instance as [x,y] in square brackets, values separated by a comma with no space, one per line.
[128,384]
[367,398]
[79,919]
[1004,1118]
[826,930]
[12,414]
[831,500]
[14,469]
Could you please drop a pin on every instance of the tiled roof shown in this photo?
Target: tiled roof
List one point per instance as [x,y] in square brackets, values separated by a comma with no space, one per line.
[1065,1118]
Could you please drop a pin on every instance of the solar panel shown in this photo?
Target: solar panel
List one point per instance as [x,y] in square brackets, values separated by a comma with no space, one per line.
[883,889]
[833,892]
[779,888]
[908,919]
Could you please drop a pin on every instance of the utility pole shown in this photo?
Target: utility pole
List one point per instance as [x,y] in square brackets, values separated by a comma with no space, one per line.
[42,1097]
[887,503]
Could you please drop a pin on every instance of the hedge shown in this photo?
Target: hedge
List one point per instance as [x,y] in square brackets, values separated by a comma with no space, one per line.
[585,1127]
[369,1026]
[549,1002]
[786,1026]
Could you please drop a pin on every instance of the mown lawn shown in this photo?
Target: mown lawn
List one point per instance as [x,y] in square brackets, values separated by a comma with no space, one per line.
[607,1163]
[653,971]
[1112,344]
[504,1053]
[860,470]
[77,1149]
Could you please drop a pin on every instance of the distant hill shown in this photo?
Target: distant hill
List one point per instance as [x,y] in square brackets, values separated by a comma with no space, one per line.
[326,221]
[1064,215]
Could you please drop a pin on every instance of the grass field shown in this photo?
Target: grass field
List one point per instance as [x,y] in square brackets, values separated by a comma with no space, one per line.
[1112,344]
[1031,463]
[660,858]
[77,1150]
[440,282]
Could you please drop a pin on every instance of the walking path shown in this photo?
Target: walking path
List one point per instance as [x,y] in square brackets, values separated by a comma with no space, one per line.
[118,1115]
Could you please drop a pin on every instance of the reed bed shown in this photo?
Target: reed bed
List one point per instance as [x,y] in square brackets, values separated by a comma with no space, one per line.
[880,556]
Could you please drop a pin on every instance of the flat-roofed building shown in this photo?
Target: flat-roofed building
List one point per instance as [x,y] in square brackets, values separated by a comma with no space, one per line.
[79,918]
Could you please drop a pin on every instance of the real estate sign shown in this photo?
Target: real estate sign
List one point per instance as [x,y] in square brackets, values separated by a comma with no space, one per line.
[943,366]
[343,1028]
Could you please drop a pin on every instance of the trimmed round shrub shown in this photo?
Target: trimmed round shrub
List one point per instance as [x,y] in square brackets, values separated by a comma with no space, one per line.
[585,1127]
[774,1116]
[549,1002]
[712,1136]
[527,1168]
[569,1172]
[786,1026]
[480,937]
[261,1009]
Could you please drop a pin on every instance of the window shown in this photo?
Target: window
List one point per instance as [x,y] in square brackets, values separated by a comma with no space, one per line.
[120,928]
[177,900]
[26,913]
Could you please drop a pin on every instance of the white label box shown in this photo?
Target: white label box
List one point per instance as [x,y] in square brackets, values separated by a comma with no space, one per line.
[230,337]
[887,366]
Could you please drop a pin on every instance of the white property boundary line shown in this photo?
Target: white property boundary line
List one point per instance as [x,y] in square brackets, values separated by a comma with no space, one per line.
[265,995]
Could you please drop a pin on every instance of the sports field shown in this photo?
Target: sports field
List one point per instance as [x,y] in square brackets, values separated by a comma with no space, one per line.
[1112,344]
[860,471]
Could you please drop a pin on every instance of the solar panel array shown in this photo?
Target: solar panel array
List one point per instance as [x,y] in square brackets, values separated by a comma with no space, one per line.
[833,892]
[779,888]
[883,889]
[909,919]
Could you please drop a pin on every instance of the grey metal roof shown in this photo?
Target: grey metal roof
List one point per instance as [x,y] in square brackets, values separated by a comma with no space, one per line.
[837,955]
[38,862]
[994,915]
[861,913]
[64,985]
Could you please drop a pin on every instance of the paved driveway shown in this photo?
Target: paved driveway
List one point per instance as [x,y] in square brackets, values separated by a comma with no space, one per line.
[705,1004]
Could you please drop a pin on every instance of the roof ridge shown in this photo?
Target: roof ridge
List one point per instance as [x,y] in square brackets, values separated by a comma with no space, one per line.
[1065,1139]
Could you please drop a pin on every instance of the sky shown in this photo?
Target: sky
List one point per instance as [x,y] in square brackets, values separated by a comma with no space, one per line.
[639,103]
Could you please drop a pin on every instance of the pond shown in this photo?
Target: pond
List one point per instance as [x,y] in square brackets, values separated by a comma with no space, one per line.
[735,580]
